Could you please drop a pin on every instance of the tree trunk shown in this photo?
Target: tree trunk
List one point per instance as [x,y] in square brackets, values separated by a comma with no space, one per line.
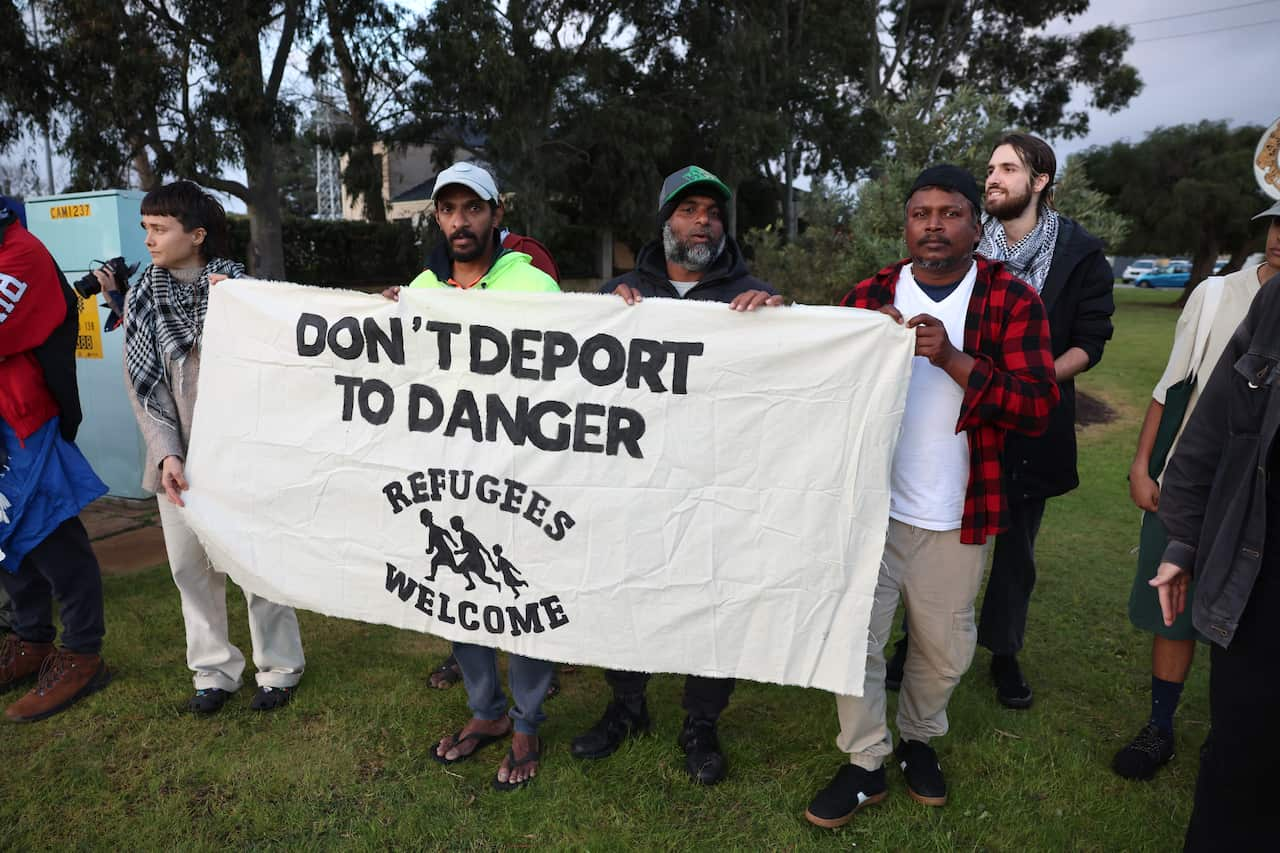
[367,167]
[1201,263]
[789,193]
[147,180]
[605,265]
[1238,256]
[266,232]
[732,219]
[363,179]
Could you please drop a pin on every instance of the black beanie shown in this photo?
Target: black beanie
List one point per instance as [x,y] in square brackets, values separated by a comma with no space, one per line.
[952,178]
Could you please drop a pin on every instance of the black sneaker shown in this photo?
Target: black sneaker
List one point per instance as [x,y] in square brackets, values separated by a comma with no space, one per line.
[270,698]
[618,723]
[1145,754]
[703,760]
[919,763]
[1012,689]
[893,671]
[208,701]
[852,789]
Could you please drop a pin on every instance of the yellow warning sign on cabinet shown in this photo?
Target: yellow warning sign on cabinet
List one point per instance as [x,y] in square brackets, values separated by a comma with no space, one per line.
[69,211]
[89,338]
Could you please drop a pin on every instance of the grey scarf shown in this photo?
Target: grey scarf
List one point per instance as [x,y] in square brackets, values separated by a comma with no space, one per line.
[1030,257]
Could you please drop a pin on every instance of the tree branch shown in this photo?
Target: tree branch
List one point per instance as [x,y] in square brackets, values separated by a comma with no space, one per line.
[900,47]
[229,187]
[287,31]
[179,28]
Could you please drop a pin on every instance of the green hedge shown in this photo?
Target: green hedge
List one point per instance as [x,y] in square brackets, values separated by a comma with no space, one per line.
[340,253]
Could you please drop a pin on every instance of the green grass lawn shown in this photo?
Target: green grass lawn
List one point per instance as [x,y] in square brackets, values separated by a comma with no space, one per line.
[347,765]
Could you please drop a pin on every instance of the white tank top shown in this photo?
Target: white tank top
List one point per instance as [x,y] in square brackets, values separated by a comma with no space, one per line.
[931,462]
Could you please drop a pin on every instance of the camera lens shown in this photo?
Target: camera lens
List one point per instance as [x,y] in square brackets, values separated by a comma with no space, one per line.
[87,285]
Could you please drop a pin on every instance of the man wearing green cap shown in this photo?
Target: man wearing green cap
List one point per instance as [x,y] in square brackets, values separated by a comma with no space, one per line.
[693,259]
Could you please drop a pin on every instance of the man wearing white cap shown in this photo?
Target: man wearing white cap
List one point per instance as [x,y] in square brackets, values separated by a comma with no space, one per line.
[471,257]
[469,213]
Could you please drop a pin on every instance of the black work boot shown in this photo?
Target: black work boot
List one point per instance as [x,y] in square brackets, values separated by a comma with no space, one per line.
[703,760]
[624,718]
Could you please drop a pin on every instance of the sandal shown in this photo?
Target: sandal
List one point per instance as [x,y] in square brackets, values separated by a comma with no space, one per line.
[482,740]
[447,674]
[513,763]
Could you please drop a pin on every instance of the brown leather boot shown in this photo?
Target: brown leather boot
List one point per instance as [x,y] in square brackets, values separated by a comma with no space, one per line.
[20,660]
[65,678]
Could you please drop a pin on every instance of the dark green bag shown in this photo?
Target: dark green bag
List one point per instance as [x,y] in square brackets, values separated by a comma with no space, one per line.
[1178,396]
[1144,604]
[1176,399]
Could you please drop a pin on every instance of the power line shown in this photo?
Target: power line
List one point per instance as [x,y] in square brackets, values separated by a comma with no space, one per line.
[1207,32]
[1194,14]
[1179,16]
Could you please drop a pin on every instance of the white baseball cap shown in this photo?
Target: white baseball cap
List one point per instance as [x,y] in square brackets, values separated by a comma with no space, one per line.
[1273,210]
[468,175]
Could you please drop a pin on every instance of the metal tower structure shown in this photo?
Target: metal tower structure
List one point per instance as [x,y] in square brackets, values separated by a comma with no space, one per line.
[328,175]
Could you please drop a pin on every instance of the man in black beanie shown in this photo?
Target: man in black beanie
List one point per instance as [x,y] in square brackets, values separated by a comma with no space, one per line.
[983,370]
[694,259]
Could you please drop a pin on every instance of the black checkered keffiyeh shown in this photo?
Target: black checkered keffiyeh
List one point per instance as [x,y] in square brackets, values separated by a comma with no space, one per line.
[1029,258]
[164,319]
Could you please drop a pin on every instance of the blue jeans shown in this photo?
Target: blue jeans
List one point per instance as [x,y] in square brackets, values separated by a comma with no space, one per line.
[528,679]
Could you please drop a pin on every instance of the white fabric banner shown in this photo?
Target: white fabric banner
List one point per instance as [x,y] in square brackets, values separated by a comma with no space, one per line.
[666,487]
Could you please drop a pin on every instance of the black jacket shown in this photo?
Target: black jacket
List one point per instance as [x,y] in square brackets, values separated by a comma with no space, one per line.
[726,278]
[1078,296]
[57,358]
[1213,497]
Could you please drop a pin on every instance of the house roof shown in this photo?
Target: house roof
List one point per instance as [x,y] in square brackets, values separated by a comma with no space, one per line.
[417,192]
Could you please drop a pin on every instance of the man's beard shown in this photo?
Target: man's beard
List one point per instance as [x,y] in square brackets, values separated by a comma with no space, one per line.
[695,257]
[939,264]
[1011,206]
[481,245]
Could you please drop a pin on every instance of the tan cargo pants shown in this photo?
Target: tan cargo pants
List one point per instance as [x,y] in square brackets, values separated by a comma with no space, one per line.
[937,577]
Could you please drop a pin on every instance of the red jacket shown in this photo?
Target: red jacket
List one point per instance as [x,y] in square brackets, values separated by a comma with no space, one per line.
[1011,388]
[541,257]
[32,306]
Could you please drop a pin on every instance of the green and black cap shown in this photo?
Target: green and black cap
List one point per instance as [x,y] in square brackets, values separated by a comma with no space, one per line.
[687,181]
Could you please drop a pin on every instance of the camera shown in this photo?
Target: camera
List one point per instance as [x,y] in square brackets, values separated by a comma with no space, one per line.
[87,285]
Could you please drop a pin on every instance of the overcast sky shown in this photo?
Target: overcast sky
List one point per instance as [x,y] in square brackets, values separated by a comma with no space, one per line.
[1207,59]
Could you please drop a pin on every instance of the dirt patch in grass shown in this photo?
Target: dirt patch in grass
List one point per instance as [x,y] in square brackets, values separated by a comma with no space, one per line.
[1091,410]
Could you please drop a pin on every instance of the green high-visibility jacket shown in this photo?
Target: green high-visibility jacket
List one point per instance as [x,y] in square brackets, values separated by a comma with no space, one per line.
[510,272]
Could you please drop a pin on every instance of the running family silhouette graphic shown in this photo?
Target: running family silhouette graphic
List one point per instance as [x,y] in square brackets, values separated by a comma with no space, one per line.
[444,551]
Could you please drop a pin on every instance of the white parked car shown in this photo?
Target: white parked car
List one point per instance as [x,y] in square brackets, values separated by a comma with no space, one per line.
[1139,267]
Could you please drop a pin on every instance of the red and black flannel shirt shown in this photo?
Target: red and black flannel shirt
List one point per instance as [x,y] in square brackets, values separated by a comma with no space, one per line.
[1011,388]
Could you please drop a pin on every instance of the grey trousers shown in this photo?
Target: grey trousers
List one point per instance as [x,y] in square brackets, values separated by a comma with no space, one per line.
[273,628]
[937,577]
[527,677]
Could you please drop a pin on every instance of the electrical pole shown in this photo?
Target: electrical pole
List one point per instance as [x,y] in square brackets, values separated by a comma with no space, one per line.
[48,148]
